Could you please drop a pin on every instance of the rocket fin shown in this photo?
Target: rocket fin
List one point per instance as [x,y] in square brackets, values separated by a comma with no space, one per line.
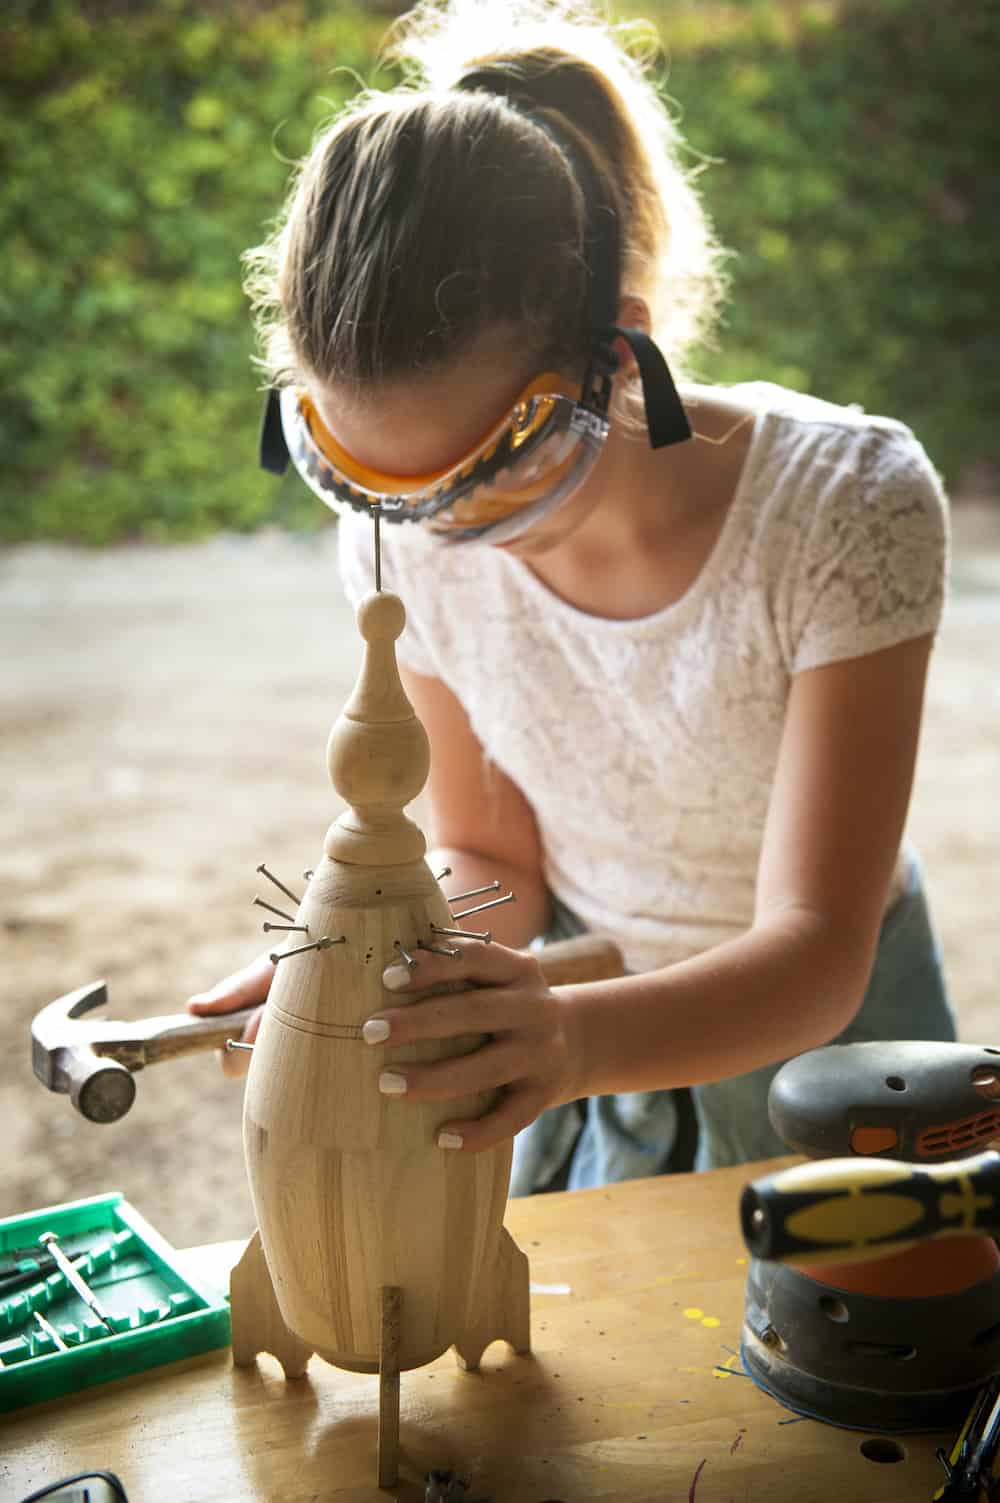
[256,1320]
[503,1309]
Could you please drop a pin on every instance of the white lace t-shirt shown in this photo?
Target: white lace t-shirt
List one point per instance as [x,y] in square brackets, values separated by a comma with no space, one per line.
[647,748]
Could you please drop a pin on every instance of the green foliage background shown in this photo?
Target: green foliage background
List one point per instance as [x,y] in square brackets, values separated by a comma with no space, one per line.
[853,144]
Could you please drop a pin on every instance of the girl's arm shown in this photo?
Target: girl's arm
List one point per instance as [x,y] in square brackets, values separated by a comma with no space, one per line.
[798,976]
[792,982]
[480,824]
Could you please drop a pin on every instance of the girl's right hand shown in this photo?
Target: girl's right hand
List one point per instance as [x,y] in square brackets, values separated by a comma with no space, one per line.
[241,989]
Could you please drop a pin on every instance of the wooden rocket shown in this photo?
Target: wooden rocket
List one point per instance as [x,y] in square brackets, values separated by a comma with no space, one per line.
[375,1248]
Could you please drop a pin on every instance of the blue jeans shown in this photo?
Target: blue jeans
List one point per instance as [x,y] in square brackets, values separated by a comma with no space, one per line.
[607,1138]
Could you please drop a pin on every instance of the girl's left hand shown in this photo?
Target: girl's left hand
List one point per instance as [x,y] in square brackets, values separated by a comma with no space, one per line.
[531,1056]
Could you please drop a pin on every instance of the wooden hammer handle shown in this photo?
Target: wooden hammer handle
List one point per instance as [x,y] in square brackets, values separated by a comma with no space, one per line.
[182,1033]
[585,957]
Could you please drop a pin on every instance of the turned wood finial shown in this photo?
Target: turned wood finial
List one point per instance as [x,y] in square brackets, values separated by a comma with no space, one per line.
[378,754]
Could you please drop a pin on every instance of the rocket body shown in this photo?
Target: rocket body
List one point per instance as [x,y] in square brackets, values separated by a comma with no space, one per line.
[350,1188]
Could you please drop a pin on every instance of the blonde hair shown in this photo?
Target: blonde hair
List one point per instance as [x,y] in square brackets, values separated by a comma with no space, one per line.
[424,216]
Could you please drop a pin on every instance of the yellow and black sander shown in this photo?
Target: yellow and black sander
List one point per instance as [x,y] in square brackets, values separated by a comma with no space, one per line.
[873,1292]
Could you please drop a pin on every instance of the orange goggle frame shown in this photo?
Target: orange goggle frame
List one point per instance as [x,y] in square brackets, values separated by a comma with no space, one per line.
[528,464]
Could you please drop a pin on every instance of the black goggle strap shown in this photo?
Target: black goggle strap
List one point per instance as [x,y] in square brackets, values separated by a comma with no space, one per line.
[665,416]
[273,450]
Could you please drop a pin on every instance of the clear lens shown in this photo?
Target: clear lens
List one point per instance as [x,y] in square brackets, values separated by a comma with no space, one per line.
[499,517]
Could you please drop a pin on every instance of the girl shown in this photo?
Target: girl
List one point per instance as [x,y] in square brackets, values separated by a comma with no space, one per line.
[669,647]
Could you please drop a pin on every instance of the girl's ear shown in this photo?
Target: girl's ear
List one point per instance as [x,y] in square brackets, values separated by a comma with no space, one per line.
[633,313]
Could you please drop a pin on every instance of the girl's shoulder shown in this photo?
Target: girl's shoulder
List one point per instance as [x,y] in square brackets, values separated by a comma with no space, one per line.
[807,453]
[845,519]
[798,425]
[802,406]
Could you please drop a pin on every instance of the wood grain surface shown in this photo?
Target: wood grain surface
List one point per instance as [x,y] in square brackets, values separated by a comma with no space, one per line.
[632,1391]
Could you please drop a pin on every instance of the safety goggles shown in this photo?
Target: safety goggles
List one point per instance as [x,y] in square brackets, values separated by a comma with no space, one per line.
[539,454]
[528,464]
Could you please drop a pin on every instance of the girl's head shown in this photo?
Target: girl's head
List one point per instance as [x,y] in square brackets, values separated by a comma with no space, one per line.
[446,219]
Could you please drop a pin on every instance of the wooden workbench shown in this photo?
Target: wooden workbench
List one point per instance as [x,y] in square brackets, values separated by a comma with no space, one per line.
[630,1393]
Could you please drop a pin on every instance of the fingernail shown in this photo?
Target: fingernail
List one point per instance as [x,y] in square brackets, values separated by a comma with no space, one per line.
[391,1084]
[375,1031]
[449,1140]
[395,977]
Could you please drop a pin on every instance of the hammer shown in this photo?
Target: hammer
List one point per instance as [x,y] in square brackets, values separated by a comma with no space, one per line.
[93,1061]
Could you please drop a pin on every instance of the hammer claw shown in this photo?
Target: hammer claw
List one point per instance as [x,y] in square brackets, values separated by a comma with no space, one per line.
[84,999]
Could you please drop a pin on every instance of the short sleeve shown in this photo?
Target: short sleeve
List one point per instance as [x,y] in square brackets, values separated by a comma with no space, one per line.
[356,556]
[874,558]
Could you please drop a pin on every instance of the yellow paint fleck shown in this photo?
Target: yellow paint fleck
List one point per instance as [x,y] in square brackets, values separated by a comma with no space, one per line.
[726,1369]
[693,1313]
[711,1320]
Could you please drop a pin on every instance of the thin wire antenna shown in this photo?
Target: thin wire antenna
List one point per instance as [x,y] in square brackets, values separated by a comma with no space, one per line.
[280,885]
[259,903]
[451,950]
[475,892]
[378,551]
[485,936]
[509,897]
[320,944]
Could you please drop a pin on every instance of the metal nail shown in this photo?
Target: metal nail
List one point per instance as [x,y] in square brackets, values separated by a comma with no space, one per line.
[438,949]
[271,909]
[474,892]
[272,878]
[405,954]
[444,872]
[235,1044]
[467,912]
[486,936]
[320,944]
[290,928]
[74,1280]
[50,1331]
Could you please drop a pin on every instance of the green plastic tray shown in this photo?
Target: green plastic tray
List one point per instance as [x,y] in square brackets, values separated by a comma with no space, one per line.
[159,1313]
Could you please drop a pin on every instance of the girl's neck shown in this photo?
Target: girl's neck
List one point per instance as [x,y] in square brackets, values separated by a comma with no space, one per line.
[657,514]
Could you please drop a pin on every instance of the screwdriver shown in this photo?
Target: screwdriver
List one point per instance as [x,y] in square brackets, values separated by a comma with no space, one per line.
[832,1209]
[970,1466]
[50,1242]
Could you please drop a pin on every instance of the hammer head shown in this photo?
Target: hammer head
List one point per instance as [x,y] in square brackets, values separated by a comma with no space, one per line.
[64,1057]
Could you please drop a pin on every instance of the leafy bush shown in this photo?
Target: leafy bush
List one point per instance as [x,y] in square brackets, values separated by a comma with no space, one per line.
[857,186]
[146,147]
[144,153]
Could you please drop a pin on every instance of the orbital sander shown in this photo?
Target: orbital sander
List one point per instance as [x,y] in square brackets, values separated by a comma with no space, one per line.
[873,1292]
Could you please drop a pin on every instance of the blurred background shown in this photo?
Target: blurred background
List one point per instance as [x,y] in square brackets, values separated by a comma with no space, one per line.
[174,641]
